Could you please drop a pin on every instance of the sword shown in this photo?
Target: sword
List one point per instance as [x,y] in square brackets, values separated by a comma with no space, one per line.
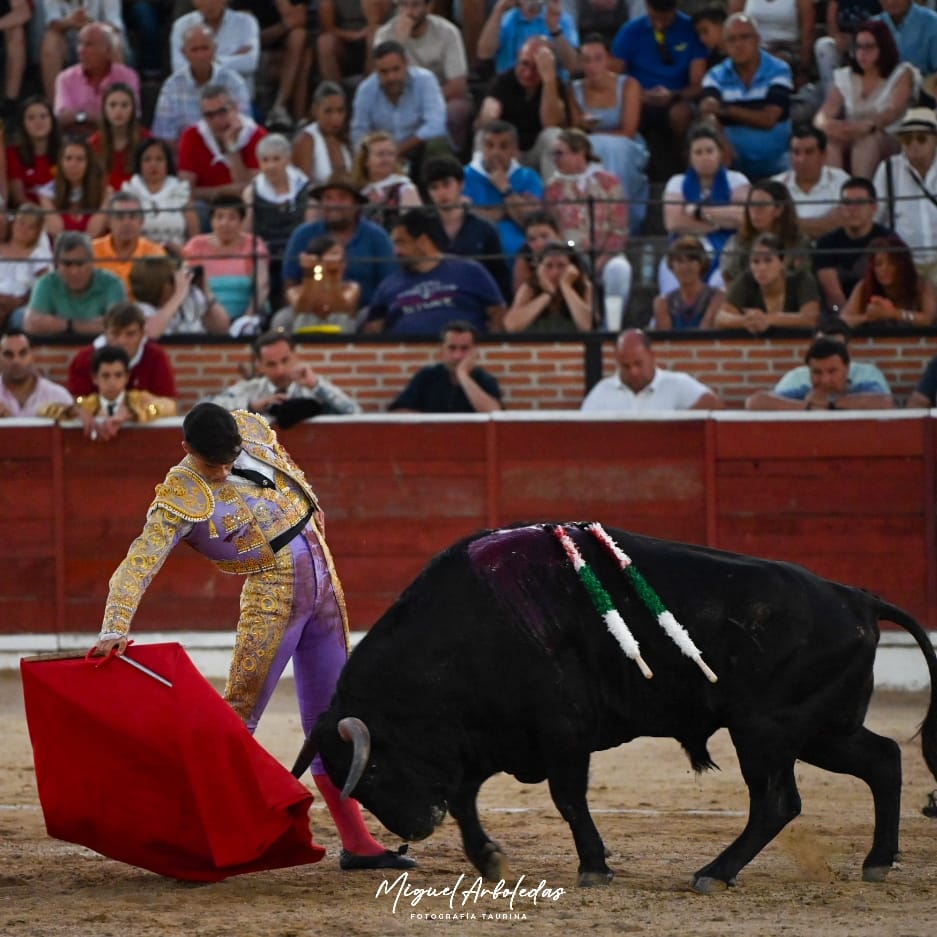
[143,669]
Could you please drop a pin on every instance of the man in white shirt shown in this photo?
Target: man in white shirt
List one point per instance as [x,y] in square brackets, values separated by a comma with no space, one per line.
[23,390]
[639,386]
[814,186]
[907,189]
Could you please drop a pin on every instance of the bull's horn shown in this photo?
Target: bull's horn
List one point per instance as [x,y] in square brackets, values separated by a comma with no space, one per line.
[352,729]
[305,756]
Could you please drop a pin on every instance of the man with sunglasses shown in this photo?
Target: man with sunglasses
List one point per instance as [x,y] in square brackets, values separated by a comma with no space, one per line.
[663,52]
[907,189]
[239,499]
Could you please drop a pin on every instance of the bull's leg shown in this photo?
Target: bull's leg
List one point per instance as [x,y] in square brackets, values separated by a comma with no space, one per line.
[877,761]
[482,851]
[773,803]
[569,778]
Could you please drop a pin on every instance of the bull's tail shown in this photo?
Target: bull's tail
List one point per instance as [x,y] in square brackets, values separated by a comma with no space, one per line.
[928,727]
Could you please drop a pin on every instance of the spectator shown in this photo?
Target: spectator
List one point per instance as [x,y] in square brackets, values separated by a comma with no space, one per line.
[456,384]
[321,147]
[540,227]
[530,98]
[218,155]
[406,101]
[283,381]
[829,387]
[73,296]
[118,250]
[591,208]
[749,94]
[915,29]
[63,24]
[709,23]
[175,299]
[769,209]
[237,35]
[788,31]
[120,135]
[639,386]
[499,188]
[706,201]
[34,152]
[662,51]
[843,18]
[178,104]
[841,256]
[23,390]
[79,90]
[867,101]
[892,292]
[430,289]
[343,43]
[557,298]
[13,26]
[769,295]
[276,199]
[905,184]
[367,246]
[112,405]
[694,303]
[607,106]
[74,200]
[150,368]
[169,217]
[23,259]
[377,174]
[236,264]
[326,300]
[812,183]
[462,231]
[513,23]
[434,43]
[925,394]
[860,372]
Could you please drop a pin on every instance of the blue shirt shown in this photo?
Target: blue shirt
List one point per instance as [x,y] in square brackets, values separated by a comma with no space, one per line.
[916,38]
[420,111]
[369,254]
[636,45]
[481,191]
[413,303]
[758,151]
[516,30]
[860,387]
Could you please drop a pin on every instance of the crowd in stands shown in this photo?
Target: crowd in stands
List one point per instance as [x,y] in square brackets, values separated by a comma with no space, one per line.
[300,167]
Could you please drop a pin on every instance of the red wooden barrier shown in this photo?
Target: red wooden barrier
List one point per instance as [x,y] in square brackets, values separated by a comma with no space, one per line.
[849,498]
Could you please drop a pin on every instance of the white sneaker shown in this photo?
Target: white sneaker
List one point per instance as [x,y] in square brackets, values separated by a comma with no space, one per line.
[279,116]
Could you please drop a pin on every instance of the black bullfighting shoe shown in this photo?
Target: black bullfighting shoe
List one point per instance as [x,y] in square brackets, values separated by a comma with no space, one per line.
[388,859]
[930,809]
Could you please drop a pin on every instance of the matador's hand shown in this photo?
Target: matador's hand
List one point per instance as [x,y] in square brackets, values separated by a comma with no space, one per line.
[118,645]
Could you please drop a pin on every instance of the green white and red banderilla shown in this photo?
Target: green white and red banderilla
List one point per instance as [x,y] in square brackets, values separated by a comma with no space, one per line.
[673,629]
[602,601]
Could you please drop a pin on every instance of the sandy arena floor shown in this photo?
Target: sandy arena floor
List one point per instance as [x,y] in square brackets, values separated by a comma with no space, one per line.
[659,820]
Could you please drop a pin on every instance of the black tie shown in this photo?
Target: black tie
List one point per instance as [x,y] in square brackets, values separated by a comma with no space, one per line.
[111,407]
[258,478]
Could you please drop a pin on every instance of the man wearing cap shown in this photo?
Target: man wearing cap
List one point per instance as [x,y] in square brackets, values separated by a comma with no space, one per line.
[906,185]
[368,252]
[240,500]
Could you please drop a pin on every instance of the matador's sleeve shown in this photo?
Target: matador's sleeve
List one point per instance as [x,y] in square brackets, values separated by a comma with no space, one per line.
[144,559]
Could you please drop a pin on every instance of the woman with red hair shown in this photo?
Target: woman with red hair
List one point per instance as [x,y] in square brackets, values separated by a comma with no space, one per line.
[892,292]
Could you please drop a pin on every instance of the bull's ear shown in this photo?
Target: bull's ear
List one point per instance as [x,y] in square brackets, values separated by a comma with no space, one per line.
[305,756]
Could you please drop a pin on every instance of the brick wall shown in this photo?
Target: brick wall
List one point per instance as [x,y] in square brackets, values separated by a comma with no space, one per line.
[534,375]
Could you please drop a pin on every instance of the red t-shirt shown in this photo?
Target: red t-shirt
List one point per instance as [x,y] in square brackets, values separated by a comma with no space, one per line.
[210,169]
[121,160]
[153,372]
[33,177]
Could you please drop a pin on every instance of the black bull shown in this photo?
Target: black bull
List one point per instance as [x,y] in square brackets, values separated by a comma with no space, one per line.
[495,659]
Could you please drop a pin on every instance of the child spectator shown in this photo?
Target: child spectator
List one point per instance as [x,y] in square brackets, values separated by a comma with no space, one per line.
[33,153]
[120,134]
[75,199]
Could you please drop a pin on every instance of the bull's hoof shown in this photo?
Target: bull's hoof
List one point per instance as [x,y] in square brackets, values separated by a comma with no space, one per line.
[707,885]
[494,866]
[875,873]
[595,879]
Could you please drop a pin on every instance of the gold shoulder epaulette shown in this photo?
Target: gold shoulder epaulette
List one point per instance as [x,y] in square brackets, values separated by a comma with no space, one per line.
[185,494]
[254,428]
